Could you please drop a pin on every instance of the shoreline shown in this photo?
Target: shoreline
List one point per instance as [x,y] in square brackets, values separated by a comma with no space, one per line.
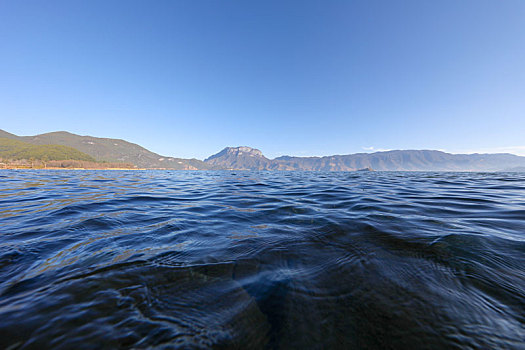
[53,168]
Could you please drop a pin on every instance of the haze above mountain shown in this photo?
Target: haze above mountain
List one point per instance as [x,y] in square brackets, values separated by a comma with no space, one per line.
[247,158]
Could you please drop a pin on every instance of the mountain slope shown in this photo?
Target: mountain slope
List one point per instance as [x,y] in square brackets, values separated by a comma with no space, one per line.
[407,160]
[111,150]
[8,135]
[15,150]
[245,158]
[241,158]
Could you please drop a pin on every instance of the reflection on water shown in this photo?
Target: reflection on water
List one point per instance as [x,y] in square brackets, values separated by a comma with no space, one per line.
[103,259]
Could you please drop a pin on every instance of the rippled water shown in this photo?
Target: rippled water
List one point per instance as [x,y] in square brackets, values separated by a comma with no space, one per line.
[106,259]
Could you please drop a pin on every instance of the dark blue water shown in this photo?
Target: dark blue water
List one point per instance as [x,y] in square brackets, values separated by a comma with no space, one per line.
[274,260]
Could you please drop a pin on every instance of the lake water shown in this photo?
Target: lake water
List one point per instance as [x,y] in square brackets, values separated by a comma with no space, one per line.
[271,260]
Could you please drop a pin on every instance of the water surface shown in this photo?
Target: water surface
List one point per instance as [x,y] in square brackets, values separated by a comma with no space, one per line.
[270,260]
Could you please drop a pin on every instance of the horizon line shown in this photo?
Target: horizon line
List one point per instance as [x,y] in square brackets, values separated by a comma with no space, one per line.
[510,150]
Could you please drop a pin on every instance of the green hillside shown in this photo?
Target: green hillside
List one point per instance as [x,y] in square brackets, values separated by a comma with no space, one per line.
[15,150]
[111,150]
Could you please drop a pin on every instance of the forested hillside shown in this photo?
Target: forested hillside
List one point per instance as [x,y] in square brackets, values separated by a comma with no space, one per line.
[11,149]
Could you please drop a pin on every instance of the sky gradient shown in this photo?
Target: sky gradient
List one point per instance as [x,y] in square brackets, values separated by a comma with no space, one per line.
[188,78]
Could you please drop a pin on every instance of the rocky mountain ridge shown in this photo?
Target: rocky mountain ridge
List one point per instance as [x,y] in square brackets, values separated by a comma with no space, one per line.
[246,158]
[239,158]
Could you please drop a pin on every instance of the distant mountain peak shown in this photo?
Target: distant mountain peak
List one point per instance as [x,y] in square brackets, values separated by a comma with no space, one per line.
[236,152]
[242,157]
[244,149]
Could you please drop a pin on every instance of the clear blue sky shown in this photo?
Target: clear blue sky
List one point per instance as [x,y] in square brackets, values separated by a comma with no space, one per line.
[188,78]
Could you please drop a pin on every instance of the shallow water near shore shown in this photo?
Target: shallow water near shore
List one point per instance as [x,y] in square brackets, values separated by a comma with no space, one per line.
[269,260]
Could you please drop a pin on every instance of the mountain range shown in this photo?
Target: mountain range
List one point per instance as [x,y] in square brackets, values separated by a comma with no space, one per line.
[247,158]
